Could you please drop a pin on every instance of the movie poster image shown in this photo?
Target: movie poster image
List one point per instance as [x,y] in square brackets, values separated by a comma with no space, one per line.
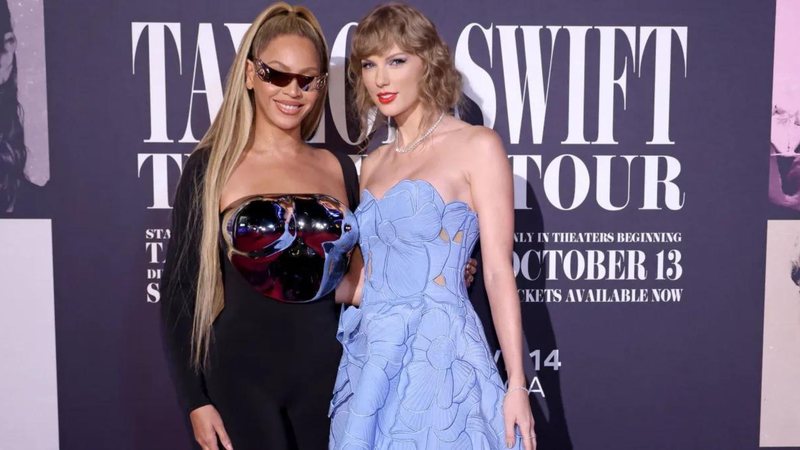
[29,415]
[24,151]
[784,164]
[780,390]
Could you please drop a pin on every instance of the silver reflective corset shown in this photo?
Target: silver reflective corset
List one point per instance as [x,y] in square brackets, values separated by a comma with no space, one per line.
[294,248]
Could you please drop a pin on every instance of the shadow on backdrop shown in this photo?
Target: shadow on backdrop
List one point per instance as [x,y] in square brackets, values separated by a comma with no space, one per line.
[552,432]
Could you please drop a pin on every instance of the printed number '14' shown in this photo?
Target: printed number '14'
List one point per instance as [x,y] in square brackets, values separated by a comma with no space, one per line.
[551,361]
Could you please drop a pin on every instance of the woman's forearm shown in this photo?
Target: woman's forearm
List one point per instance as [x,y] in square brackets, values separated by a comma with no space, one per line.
[507,319]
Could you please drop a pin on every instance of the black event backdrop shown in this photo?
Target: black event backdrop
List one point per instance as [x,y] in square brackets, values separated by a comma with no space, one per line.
[636,132]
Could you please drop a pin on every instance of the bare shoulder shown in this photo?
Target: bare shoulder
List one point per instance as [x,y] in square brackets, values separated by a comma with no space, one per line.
[326,158]
[485,139]
[322,152]
[482,144]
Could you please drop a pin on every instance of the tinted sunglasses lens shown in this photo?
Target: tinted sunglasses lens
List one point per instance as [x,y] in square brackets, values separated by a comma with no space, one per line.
[303,81]
[282,79]
[278,78]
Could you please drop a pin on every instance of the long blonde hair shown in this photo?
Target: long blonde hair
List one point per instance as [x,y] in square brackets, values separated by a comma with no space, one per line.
[227,138]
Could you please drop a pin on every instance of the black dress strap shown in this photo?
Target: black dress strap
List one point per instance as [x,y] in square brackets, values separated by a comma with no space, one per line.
[350,178]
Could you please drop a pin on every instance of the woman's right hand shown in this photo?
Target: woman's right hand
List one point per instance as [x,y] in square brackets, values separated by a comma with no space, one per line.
[349,289]
[207,425]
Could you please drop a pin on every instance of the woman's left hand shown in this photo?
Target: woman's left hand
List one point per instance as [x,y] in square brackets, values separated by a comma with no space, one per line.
[517,411]
[470,270]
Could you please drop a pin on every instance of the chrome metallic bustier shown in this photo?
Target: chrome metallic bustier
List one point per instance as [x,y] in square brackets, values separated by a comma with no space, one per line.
[294,248]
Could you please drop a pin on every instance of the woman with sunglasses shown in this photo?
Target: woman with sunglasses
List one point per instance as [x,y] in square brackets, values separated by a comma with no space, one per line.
[261,234]
[416,370]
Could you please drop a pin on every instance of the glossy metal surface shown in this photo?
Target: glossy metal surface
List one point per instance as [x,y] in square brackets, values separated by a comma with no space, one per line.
[293,248]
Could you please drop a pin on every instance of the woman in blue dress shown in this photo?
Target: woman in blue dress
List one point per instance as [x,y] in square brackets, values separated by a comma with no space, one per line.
[416,372]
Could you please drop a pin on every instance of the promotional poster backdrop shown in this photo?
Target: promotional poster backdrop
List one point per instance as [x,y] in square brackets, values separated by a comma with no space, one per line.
[641,214]
[784,181]
[29,416]
[24,141]
[28,24]
[780,395]
[780,392]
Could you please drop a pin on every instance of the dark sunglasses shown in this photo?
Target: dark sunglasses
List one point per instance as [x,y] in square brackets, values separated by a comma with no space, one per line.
[282,79]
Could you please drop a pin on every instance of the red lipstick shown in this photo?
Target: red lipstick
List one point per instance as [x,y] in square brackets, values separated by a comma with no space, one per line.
[386,97]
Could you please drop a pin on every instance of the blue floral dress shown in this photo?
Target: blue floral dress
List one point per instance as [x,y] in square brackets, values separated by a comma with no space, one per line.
[416,372]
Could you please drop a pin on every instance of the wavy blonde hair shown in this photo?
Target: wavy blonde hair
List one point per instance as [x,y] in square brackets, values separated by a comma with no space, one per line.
[412,32]
[229,135]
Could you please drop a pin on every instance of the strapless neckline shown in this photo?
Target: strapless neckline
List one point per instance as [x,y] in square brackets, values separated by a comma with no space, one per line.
[413,181]
[290,247]
[415,367]
[239,201]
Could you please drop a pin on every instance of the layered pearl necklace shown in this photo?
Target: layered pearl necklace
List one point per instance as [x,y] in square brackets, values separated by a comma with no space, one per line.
[410,147]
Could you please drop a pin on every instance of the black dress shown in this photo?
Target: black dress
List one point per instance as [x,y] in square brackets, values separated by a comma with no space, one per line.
[272,365]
